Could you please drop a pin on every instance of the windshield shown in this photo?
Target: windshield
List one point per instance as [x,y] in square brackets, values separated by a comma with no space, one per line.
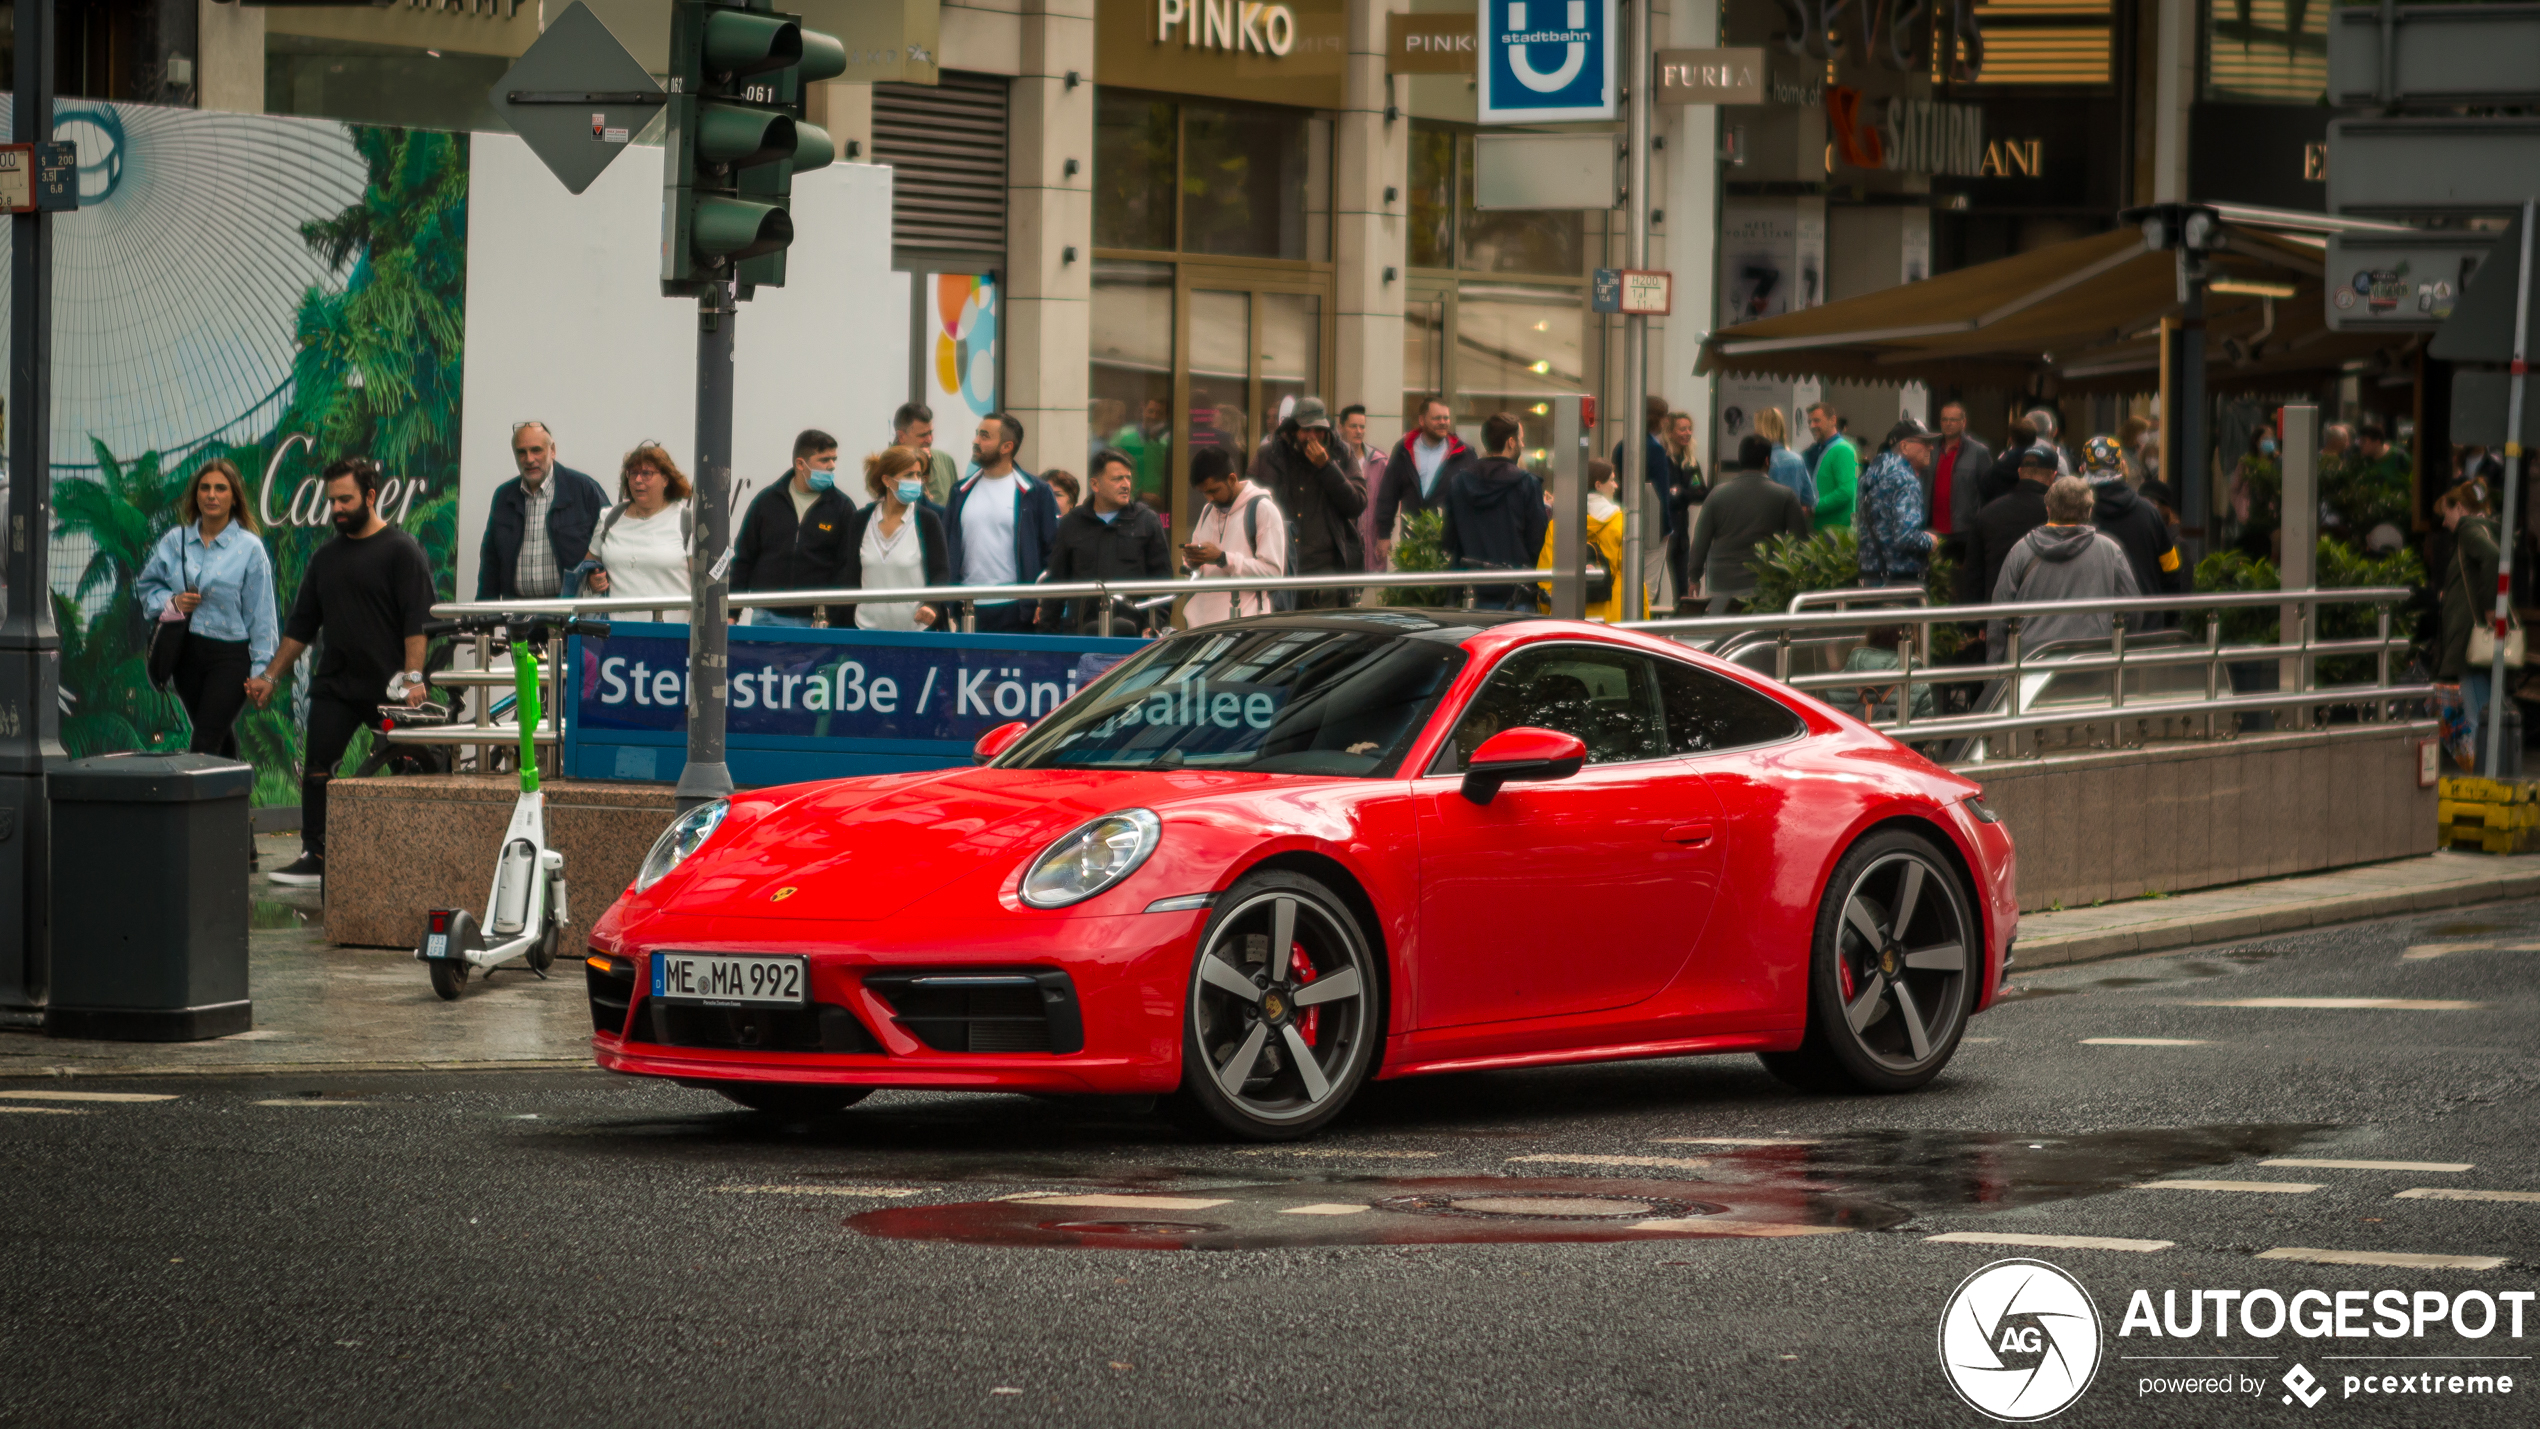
[1274,699]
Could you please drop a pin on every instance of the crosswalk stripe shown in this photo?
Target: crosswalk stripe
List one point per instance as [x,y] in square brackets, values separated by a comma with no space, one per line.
[1745,1228]
[2145,1042]
[2281,1188]
[2050,1242]
[2369,1165]
[42,1111]
[2423,951]
[2401,1004]
[2400,1259]
[2454,1193]
[92,1096]
[1670,1163]
[308,1101]
[1323,1208]
[882,1191]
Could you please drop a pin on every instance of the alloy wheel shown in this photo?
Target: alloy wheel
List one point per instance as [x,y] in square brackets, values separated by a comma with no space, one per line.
[1281,1007]
[1901,960]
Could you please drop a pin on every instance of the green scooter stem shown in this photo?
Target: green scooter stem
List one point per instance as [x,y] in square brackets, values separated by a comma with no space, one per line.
[525,705]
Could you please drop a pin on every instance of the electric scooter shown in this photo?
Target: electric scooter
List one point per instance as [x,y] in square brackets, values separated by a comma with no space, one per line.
[525,911]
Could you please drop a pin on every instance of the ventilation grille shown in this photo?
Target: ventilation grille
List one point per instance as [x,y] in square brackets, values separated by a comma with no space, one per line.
[945,144]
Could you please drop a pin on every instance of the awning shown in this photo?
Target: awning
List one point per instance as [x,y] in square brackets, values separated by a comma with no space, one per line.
[2084,315]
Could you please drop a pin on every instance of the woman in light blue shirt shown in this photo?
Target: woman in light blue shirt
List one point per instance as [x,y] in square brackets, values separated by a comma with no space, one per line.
[1787,469]
[213,568]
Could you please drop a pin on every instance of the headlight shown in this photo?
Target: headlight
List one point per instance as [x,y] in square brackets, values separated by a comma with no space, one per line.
[685,835]
[1091,859]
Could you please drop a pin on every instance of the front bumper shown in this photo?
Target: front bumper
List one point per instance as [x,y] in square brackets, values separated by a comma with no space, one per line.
[1081,1005]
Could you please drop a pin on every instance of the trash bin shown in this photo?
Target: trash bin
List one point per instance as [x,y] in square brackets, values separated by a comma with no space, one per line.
[149,856]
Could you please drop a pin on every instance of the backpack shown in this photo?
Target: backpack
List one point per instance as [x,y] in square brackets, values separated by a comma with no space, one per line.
[1279,599]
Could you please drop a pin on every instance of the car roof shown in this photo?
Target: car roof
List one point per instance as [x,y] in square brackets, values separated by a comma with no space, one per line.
[1440,623]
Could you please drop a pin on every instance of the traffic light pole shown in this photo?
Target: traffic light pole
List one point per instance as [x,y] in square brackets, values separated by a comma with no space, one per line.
[30,650]
[707,776]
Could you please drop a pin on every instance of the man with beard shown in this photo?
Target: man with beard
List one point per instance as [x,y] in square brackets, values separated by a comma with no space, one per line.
[370,590]
[1305,469]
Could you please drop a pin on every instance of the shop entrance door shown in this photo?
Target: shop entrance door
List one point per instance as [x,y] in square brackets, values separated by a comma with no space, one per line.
[1254,343]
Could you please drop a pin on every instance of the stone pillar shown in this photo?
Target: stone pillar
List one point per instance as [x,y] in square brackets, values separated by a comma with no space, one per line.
[1686,186]
[229,73]
[2174,91]
[1372,156]
[844,108]
[1049,233]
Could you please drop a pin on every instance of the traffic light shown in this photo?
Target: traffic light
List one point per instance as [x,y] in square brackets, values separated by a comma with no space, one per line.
[737,136]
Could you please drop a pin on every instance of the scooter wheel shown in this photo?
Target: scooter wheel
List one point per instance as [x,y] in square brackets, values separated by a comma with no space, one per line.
[448,978]
[542,953]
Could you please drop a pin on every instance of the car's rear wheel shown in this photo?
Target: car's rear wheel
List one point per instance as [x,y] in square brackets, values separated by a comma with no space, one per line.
[795,1100]
[1284,1011]
[1893,975]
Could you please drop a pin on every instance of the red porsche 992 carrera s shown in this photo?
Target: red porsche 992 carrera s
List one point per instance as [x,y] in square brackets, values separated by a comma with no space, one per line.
[1259,863]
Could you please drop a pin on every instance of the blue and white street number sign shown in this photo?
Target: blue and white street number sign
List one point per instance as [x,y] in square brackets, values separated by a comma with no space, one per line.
[1547,59]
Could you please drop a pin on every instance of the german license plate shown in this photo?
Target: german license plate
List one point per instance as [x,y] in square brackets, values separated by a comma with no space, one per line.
[713,980]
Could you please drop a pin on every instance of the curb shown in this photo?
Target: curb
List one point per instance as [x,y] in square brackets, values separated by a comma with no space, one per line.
[2244,923]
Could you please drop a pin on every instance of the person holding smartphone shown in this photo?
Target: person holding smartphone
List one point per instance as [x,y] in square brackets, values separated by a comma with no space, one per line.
[1239,532]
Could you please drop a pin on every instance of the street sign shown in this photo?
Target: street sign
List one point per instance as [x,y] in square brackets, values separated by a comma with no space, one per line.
[57,176]
[2399,282]
[1546,171]
[1643,292]
[1547,60]
[1429,44]
[577,98]
[2440,165]
[1711,76]
[17,178]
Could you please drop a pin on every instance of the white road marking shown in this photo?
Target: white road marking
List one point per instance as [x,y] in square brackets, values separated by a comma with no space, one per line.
[1671,1163]
[1744,1228]
[1323,1208]
[2450,1193]
[2281,1188]
[1979,1039]
[1731,1141]
[92,1096]
[1337,1152]
[308,1101]
[2423,951]
[41,1111]
[261,1034]
[882,1191]
[2145,1042]
[2400,1259]
[2051,1242]
[2369,1165]
[1126,1203]
[2401,1004]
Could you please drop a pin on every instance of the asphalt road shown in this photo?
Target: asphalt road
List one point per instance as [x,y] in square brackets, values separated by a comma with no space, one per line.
[569,1248]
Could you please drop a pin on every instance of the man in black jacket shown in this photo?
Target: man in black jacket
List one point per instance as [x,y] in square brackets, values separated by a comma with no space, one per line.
[795,534]
[1110,536]
[1495,516]
[1304,469]
[1423,464]
[2007,519]
[1951,490]
[2137,526]
[1741,516]
[540,525]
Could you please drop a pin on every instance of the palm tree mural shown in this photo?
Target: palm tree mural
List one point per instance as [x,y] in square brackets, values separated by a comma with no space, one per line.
[377,374]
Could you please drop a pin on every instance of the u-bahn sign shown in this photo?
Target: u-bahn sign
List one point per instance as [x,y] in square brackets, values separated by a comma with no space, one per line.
[1546,60]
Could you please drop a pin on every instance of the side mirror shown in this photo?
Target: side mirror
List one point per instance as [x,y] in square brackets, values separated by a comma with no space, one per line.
[997,741]
[1521,753]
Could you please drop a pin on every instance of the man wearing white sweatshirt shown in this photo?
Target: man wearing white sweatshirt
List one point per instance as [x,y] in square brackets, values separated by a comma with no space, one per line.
[1239,532]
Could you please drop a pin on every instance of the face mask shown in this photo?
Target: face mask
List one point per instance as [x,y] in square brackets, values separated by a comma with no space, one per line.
[2266,446]
[908,492]
[821,480]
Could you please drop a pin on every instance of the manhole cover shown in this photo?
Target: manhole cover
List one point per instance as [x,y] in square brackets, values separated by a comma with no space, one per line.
[1553,1207]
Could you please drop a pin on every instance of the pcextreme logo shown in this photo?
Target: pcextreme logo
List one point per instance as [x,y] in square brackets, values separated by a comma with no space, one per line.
[2019,1340]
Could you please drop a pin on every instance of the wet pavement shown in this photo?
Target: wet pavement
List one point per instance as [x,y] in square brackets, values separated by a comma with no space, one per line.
[320,1005]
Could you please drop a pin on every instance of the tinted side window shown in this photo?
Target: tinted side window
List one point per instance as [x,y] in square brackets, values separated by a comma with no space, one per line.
[1608,698]
[1706,712]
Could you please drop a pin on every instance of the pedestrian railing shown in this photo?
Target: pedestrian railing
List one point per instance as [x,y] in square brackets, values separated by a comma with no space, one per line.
[2011,685]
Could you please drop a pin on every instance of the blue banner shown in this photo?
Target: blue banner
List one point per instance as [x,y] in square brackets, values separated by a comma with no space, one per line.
[817,704]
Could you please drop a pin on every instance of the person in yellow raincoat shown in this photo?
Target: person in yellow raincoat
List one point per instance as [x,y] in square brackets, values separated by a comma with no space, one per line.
[1605,539]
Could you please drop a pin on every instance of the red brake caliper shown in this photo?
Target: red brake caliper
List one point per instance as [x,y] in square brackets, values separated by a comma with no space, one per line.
[1302,971]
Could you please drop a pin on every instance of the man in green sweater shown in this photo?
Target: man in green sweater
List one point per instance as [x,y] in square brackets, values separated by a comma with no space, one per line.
[1741,516]
[1835,464]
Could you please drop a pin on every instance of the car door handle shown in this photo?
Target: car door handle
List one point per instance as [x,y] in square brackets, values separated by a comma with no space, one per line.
[1689,834]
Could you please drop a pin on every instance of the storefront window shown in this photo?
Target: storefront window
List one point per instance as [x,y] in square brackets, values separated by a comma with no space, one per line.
[1423,354]
[2267,50]
[1131,406]
[1291,348]
[1516,348]
[380,84]
[1221,371]
[1552,242]
[1432,237]
[1256,183]
[1133,172]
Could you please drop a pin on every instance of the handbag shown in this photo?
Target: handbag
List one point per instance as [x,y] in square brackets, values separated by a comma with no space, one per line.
[167,637]
[1596,575]
[2482,630]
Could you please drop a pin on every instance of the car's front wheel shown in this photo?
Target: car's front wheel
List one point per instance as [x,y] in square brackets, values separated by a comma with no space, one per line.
[1893,976]
[794,1100]
[1284,1011]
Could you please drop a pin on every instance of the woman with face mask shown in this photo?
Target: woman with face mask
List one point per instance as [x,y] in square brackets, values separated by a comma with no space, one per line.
[897,542]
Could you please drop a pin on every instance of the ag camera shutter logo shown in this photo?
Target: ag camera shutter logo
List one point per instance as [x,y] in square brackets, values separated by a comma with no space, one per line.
[1547,59]
[2020,1341]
